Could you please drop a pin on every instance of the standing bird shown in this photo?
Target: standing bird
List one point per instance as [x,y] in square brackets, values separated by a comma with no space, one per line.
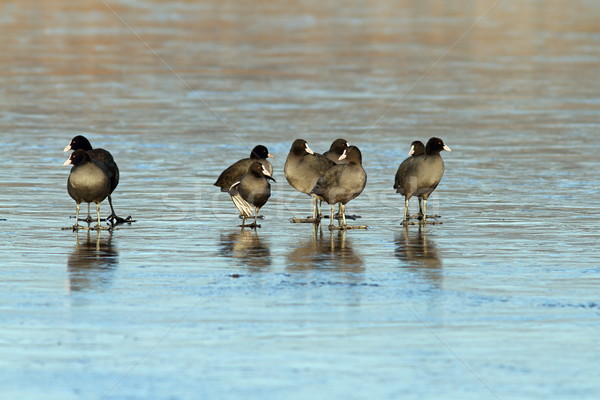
[235,171]
[417,148]
[342,183]
[251,192]
[89,181]
[336,149]
[81,143]
[421,175]
[303,168]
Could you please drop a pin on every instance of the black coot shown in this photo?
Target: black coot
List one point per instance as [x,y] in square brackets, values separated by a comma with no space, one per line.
[336,149]
[82,143]
[251,192]
[89,181]
[303,168]
[235,171]
[421,175]
[342,183]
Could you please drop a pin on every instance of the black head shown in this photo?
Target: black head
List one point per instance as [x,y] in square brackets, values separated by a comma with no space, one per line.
[260,152]
[352,155]
[78,157]
[435,145]
[79,143]
[300,147]
[338,146]
[257,169]
[416,148]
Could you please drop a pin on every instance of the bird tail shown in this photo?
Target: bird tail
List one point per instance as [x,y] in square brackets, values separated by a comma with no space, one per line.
[242,205]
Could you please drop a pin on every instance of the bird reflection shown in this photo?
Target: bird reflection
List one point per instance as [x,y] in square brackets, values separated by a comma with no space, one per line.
[325,250]
[420,253]
[92,262]
[246,247]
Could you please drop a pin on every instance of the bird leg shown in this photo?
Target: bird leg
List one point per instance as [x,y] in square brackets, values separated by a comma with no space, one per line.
[253,225]
[113,218]
[342,222]
[338,215]
[77,226]
[98,227]
[88,219]
[331,217]
[406,221]
[316,217]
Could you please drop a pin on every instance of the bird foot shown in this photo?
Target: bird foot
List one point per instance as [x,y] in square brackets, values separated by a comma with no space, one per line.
[253,225]
[259,217]
[347,227]
[75,227]
[101,228]
[338,216]
[421,222]
[419,216]
[309,220]
[114,219]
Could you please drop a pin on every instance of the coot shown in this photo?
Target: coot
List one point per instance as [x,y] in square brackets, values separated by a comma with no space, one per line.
[303,168]
[89,181]
[251,192]
[422,175]
[417,148]
[342,183]
[82,143]
[234,172]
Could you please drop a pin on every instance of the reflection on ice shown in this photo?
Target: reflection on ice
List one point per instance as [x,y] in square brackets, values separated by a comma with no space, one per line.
[247,247]
[325,250]
[92,262]
[420,253]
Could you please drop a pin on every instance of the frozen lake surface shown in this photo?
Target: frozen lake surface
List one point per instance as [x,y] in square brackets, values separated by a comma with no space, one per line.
[501,301]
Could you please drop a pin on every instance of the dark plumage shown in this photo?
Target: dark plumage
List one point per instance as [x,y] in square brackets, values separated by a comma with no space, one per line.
[234,172]
[252,191]
[420,175]
[336,149]
[417,148]
[88,182]
[303,168]
[343,182]
[82,143]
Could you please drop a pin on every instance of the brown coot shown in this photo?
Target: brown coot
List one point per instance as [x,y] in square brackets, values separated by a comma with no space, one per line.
[342,183]
[251,192]
[421,175]
[89,181]
[303,168]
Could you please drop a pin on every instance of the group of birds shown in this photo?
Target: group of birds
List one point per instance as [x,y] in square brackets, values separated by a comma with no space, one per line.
[336,177]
